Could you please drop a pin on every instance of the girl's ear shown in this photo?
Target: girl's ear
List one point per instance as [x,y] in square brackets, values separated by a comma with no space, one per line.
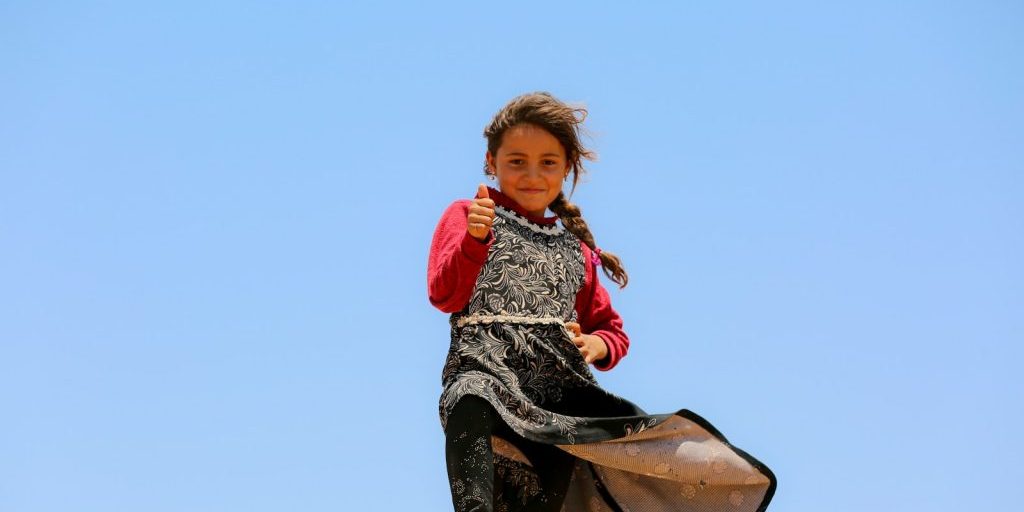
[490,161]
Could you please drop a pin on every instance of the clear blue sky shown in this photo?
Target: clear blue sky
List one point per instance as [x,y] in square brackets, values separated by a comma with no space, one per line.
[215,220]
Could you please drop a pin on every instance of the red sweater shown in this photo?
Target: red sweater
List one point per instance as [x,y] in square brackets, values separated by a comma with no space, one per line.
[456,259]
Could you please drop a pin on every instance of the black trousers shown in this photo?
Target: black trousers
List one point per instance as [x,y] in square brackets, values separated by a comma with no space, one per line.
[470,459]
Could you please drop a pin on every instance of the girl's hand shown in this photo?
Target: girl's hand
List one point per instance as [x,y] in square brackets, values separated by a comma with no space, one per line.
[481,214]
[592,347]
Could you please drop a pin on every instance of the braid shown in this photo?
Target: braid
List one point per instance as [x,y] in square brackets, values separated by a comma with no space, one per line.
[572,219]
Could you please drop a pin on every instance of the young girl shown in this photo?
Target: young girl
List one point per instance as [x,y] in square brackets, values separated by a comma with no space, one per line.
[527,427]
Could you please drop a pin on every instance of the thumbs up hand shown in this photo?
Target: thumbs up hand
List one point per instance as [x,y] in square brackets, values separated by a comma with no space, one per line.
[481,214]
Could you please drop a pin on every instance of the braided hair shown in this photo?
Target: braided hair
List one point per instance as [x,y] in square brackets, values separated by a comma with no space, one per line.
[564,123]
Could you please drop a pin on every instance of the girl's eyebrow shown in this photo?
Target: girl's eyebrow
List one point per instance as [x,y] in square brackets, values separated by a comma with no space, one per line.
[517,153]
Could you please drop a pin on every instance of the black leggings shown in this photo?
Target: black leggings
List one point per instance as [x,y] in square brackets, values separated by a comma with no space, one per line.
[471,472]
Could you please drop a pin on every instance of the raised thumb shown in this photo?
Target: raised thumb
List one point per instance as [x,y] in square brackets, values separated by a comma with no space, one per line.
[481,191]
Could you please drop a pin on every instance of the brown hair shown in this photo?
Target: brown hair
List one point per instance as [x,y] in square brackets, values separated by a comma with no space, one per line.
[564,122]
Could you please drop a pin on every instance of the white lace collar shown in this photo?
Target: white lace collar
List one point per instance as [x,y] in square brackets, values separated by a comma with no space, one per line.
[550,229]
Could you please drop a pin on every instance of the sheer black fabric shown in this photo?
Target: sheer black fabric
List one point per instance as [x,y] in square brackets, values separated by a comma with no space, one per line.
[472,473]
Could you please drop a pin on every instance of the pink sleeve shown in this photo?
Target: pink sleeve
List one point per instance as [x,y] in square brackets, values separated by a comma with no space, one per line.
[596,315]
[455,259]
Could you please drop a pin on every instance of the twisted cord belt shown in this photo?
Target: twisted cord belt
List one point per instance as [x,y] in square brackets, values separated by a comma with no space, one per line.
[486,319]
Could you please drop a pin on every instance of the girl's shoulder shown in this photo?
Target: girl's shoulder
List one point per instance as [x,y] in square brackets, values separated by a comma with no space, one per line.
[460,202]
[458,207]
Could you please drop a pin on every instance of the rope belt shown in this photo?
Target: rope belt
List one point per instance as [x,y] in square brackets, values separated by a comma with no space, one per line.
[486,319]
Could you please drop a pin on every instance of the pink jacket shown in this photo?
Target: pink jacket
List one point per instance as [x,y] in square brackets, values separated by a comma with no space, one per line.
[456,259]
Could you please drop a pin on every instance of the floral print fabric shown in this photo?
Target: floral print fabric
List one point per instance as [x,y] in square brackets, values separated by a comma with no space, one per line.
[509,346]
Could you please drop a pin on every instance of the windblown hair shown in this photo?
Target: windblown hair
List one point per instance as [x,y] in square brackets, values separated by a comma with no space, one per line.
[564,123]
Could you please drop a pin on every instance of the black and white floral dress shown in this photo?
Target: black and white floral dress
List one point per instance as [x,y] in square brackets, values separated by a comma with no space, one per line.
[510,346]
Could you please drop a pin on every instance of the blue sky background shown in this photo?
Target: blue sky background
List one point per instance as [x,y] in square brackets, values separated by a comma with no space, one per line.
[215,220]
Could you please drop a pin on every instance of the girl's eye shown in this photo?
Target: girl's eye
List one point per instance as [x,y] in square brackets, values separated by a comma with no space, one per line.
[516,161]
[549,162]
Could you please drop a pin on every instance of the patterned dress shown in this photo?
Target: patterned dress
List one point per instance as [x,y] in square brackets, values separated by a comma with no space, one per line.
[510,346]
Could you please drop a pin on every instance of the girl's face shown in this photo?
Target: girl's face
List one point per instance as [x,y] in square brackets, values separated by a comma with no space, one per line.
[530,166]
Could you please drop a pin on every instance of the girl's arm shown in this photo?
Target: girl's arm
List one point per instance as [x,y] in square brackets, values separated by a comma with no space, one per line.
[596,315]
[455,259]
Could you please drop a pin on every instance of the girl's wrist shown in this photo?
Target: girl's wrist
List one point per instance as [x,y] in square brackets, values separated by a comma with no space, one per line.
[603,350]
